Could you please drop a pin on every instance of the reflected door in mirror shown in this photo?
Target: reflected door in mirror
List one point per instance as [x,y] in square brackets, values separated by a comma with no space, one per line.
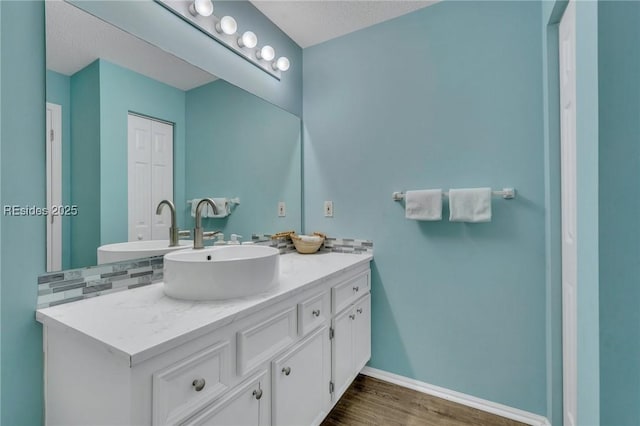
[150,178]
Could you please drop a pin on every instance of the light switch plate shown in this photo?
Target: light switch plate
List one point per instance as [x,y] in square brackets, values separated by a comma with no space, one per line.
[328,208]
[282,209]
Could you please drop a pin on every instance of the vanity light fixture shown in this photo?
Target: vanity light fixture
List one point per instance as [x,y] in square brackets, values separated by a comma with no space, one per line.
[199,13]
[201,7]
[249,39]
[227,25]
[267,53]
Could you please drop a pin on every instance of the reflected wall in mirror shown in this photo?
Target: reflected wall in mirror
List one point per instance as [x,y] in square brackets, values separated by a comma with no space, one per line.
[137,125]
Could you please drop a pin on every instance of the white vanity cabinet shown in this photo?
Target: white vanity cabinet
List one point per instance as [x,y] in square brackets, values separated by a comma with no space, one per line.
[281,360]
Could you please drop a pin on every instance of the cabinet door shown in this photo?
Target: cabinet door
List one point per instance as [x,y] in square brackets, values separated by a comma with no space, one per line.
[301,382]
[342,352]
[246,405]
[362,333]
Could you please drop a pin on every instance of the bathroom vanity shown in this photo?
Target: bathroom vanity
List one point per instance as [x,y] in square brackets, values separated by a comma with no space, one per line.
[283,357]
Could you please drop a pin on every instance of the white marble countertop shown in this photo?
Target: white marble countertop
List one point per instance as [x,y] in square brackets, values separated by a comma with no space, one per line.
[140,323]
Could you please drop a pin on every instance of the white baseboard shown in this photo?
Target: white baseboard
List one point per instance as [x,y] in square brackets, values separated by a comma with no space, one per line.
[458,397]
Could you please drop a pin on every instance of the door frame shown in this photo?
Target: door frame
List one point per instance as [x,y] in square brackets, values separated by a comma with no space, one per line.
[568,192]
[53,142]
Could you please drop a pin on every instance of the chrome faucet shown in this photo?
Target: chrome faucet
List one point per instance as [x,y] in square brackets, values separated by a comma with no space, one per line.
[173,230]
[198,237]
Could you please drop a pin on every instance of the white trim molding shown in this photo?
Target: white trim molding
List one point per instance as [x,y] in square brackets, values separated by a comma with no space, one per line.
[458,397]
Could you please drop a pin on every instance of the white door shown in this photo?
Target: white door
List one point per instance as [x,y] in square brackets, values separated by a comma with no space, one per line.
[342,352]
[161,177]
[301,382]
[54,186]
[569,202]
[362,333]
[150,177]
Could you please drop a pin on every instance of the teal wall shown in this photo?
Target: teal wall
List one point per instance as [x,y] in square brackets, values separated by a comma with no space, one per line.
[22,177]
[85,164]
[150,21]
[587,212]
[239,145]
[121,91]
[619,162]
[461,306]
[59,92]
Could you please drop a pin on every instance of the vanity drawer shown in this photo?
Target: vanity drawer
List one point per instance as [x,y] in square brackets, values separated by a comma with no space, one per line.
[346,293]
[260,342]
[188,385]
[313,312]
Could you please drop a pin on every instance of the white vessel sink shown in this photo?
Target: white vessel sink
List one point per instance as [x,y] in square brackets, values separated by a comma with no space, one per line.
[221,272]
[136,249]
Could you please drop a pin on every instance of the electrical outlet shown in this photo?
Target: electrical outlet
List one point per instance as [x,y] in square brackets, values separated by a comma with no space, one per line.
[282,209]
[328,208]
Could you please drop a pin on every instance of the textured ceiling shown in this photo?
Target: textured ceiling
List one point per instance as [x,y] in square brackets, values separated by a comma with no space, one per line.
[310,22]
[76,38]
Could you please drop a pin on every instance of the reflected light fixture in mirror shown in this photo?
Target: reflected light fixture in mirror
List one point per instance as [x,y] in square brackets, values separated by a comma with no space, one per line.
[199,13]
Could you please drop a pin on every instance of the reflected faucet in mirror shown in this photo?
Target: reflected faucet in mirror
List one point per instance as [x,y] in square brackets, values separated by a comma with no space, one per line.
[173,230]
[198,235]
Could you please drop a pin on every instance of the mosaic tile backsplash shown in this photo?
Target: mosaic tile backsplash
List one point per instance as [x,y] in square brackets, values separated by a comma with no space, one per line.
[77,284]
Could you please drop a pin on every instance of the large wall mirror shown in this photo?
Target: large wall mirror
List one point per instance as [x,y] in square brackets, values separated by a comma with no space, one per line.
[130,124]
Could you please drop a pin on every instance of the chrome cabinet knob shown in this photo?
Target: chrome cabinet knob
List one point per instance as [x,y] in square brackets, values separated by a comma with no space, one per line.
[356,289]
[198,384]
[316,313]
[352,316]
[257,393]
[359,310]
[286,371]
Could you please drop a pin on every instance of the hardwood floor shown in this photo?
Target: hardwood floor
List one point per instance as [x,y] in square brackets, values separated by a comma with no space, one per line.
[370,401]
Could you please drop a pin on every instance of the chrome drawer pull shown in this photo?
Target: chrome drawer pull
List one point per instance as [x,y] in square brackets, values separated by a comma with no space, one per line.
[359,310]
[316,313]
[257,393]
[352,316]
[356,289]
[286,371]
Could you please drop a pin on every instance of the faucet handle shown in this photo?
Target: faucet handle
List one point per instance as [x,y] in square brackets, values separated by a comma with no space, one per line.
[184,234]
[209,235]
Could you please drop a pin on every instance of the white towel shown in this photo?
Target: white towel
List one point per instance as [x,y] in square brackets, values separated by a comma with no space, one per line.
[222,205]
[424,204]
[470,205]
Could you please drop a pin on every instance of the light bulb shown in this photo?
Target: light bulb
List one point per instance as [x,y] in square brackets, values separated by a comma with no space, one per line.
[267,53]
[248,39]
[227,25]
[201,7]
[281,64]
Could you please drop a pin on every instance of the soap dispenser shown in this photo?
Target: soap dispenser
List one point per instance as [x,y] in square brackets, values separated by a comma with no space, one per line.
[235,239]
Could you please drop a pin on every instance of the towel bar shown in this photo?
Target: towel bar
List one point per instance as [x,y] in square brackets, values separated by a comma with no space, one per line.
[506,193]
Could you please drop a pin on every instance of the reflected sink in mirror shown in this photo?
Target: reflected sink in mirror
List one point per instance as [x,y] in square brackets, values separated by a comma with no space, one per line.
[221,272]
[110,253]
